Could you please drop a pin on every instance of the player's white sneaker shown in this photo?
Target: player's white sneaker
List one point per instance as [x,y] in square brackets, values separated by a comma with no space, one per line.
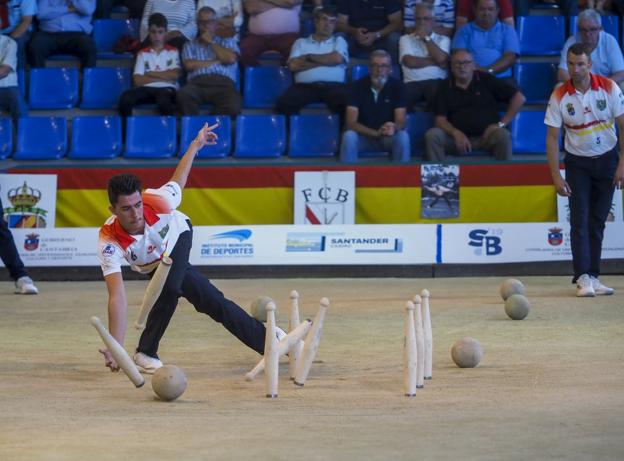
[599,288]
[25,286]
[584,287]
[146,364]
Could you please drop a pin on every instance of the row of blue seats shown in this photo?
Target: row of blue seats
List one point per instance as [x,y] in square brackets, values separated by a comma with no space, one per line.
[256,136]
[58,87]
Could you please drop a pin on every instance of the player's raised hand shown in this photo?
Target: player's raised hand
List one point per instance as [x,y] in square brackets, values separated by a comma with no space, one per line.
[206,136]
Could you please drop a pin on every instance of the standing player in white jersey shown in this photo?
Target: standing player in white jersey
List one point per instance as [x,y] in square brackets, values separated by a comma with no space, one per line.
[144,227]
[588,106]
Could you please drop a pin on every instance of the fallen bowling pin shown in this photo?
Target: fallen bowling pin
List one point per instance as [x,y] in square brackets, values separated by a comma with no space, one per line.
[287,342]
[153,290]
[119,353]
[311,344]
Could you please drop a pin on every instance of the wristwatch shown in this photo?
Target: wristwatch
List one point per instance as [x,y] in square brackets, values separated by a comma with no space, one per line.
[377,35]
[427,39]
[501,124]
[491,71]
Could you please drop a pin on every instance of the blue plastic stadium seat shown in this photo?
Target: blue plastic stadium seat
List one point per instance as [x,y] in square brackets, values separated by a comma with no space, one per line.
[417,124]
[107,32]
[259,136]
[528,133]
[102,86]
[21,81]
[191,126]
[96,137]
[313,135]
[610,24]
[541,35]
[263,85]
[6,138]
[41,138]
[53,88]
[536,80]
[361,70]
[151,136]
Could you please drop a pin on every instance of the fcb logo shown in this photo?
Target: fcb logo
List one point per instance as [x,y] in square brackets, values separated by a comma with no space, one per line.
[555,236]
[31,243]
[108,250]
[570,108]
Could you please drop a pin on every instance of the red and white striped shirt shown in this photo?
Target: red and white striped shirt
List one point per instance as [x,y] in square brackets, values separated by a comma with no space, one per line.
[163,226]
[588,118]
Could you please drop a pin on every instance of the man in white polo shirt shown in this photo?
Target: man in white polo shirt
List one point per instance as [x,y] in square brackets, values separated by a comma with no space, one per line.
[424,56]
[319,63]
[588,106]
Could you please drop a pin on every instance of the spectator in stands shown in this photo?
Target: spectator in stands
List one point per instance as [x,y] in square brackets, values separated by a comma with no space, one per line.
[180,16]
[319,63]
[11,98]
[375,117]
[494,45]
[424,57]
[64,28]
[606,55]
[156,72]
[212,66]
[567,7]
[16,21]
[467,112]
[11,258]
[371,25]
[229,14]
[466,12]
[443,12]
[273,25]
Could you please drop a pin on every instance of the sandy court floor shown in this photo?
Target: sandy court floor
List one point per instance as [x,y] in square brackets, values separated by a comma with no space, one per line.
[549,387]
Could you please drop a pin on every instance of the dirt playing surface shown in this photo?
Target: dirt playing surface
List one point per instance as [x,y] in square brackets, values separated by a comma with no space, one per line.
[549,386]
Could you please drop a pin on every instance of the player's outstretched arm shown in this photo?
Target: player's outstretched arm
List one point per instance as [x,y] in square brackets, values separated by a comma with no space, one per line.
[117,314]
[204,137]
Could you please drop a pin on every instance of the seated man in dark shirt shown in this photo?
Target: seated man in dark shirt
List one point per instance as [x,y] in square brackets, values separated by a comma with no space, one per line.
[371,25]
[375,117]
[467,112]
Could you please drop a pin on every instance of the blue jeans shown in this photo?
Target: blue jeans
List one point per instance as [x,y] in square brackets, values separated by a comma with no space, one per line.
[8,251]
[354,143]
[591,182]
[12,100]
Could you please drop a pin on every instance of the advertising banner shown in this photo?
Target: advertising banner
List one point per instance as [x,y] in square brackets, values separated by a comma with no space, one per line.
[324,197]
[29,200]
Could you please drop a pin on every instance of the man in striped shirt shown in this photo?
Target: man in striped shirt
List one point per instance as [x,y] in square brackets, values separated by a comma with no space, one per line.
[588,106]
[212,64]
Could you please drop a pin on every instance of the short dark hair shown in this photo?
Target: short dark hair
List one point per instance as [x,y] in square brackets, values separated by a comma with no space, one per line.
[325,10]
[158,20]
[579,49]
[122,184]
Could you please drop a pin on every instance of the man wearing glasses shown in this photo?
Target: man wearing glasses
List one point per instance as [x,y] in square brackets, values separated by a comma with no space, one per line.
[375,116]
[606,56]
[212,63]
[424,58]
[467,112]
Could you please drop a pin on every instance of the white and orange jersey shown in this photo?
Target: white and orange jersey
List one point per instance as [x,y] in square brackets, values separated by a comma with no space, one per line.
[163,226]
[588,118]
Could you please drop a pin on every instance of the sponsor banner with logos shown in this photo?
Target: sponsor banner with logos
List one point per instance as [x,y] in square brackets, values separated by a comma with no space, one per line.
[29,200]
[75,246]
[502,243]
[299,245]
[324,197]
